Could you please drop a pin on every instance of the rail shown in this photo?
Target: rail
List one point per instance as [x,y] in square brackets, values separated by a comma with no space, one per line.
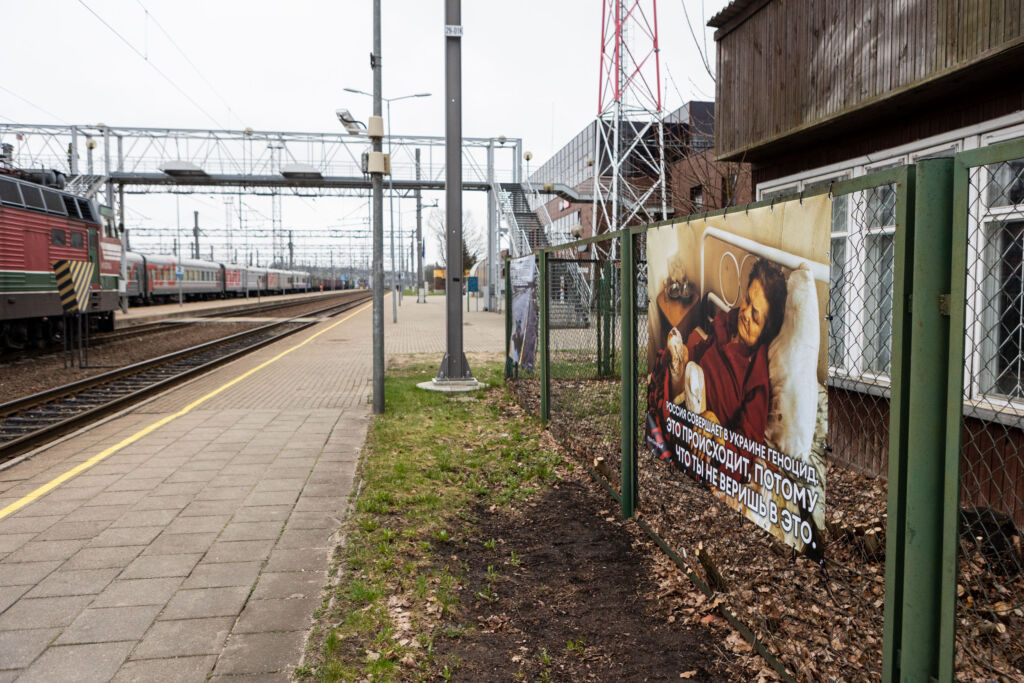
[33,420]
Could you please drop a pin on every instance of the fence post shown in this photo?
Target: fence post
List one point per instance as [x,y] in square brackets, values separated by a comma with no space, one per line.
[954,419]
[920,647]
[508,320]
[898,402]
[628,372]
[606,330]
[599,329]
[545,355]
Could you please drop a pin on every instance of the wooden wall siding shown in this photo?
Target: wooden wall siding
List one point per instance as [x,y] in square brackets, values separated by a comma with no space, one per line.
[992,468]
[991,457]
[797,63]
[858,432]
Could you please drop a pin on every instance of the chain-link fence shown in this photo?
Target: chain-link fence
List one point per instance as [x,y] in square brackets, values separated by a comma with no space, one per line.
[923,569]
[783,597]
[585,354]
[990,580]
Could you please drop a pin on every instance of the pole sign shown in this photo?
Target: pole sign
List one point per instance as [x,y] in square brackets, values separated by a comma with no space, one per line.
[473,283]
[179,273]
[737,397]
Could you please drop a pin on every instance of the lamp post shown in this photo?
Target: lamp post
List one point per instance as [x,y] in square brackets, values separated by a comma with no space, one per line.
[391,194]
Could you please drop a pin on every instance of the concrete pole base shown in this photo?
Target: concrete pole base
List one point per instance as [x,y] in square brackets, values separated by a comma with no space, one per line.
[452,386]
[421,295]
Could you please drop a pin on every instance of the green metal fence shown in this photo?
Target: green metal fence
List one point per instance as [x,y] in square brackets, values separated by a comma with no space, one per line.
[985,442]
[922,576]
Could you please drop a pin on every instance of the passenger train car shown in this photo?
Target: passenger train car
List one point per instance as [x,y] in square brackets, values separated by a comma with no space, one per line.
[39,225]
[152,279]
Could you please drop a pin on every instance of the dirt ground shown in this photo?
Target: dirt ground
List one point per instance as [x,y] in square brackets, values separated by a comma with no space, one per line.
[579,603]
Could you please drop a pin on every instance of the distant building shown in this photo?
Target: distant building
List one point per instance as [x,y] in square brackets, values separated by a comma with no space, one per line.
[697,181]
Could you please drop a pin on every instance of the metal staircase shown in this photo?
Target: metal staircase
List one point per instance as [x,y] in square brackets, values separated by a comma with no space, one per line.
[85,185]
[570,300]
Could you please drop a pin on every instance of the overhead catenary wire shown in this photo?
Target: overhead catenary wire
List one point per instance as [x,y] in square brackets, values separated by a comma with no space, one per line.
[151,64]
[151,17]
[31,104]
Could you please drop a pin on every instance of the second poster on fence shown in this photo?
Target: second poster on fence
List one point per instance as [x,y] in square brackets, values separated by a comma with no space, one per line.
[523,278]
[737,394]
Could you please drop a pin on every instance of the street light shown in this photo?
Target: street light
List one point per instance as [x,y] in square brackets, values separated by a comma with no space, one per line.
[391,196]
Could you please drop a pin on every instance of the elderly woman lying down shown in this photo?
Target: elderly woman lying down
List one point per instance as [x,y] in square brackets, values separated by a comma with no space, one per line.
[721,370]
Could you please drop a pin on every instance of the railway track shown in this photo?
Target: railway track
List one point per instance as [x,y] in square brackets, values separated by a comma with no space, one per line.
[144,329]
[37,419]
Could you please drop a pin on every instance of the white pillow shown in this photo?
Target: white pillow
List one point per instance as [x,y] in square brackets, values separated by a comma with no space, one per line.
[793,369]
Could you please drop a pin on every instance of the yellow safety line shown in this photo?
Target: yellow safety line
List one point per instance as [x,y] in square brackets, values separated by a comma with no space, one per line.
[102,455]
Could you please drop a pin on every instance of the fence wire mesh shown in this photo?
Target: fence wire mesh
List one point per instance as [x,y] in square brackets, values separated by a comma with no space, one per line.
[585,334]
[822,622]
[990,583]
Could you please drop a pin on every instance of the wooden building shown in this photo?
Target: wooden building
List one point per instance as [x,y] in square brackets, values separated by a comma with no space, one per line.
[814,91]
[805,84]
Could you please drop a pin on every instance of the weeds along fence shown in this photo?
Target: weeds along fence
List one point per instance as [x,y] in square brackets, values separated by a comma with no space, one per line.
[923,575]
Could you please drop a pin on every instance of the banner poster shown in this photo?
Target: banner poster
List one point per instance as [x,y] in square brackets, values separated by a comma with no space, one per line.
[523,276]
[737,393]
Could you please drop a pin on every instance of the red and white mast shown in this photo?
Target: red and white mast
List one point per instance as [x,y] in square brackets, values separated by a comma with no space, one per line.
[629,151]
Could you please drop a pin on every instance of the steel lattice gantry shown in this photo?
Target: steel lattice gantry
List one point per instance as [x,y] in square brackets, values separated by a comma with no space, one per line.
[129,160]
[156,159]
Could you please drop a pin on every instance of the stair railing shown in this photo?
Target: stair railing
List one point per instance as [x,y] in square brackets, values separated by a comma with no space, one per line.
[576,278]
[520,243]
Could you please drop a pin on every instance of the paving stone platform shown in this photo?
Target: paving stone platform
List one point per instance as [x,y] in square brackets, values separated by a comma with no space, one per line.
[200,549]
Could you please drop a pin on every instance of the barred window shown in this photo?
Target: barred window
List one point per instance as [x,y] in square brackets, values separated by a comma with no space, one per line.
[998,282]
[861,283]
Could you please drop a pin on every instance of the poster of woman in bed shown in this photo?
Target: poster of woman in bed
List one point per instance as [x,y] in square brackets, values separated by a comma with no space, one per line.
[738,364]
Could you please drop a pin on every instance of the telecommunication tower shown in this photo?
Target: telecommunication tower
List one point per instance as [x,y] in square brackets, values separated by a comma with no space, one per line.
[629,150]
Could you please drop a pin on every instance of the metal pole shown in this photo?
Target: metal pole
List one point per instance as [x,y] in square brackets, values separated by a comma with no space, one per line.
[492,235]
[543,338]
[195,232]
[421,289]
[453,366]
[377,181]
[122,285]
[508,321]
[73,152]
[391,219]
[628,409]
[927,348]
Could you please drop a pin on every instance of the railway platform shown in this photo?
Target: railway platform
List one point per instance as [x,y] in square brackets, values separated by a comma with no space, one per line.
[190,537]
[143,315]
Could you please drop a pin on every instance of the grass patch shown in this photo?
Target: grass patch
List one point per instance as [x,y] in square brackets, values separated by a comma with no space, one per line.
[428,461]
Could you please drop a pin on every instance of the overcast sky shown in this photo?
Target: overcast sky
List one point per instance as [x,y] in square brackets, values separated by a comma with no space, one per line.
[530,70]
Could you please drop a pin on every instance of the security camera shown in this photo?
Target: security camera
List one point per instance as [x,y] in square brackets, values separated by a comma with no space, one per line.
[349,121]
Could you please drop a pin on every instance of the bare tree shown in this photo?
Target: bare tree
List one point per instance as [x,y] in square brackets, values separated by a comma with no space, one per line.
[473,238]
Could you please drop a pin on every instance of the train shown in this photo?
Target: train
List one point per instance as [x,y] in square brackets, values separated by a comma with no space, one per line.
[41,223]
[153,279]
